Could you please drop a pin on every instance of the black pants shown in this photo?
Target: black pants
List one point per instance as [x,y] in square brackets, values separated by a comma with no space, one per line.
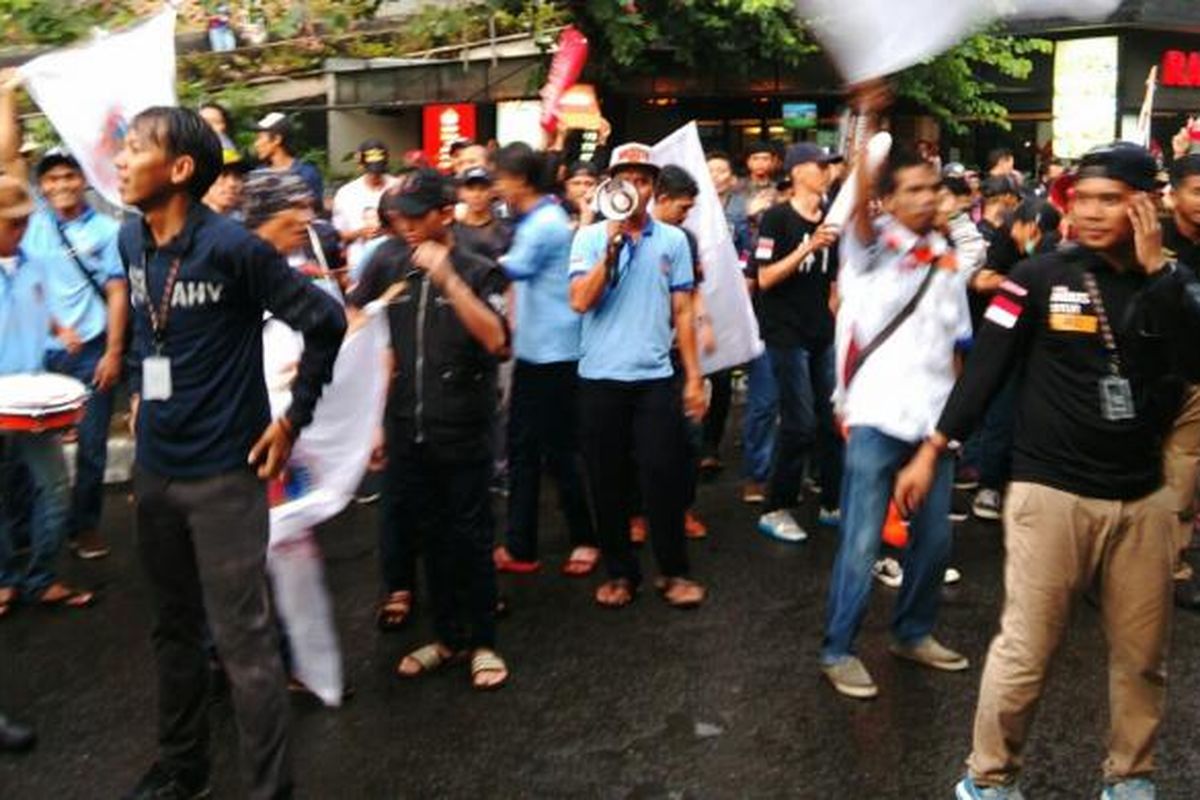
[543,429]
[203,546]
[444,503]
[718,411]
[642,420]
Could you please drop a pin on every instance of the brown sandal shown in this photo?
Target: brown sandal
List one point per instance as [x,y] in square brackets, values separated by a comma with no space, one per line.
[616,593]
[671,589]
[394,611]
[68,597]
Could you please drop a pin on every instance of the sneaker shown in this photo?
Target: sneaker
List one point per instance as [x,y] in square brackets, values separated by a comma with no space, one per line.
[693,528]
[966,789]
[929,652]
[966,478]
[781,525]
[89,545]
[987,504]
[163,783]
[850,677]
[637,530]
[1130,789]
[810,485]
[951,576]
[831,517]
[367,498]
[960,509]
[753,493]
[889,572]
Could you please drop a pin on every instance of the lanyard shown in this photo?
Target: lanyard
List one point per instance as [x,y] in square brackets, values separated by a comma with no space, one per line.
[159,316]
[1106,333]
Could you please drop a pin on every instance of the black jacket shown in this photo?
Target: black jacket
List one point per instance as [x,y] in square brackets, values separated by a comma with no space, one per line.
[443,390]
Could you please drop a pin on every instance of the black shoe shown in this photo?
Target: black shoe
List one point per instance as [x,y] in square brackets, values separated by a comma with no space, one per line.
[14,737]
[163,783]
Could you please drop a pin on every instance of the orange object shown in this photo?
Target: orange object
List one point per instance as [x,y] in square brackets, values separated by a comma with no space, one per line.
[637,530]
[895,532]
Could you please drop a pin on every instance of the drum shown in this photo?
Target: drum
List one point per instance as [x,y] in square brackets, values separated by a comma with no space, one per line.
[35,403]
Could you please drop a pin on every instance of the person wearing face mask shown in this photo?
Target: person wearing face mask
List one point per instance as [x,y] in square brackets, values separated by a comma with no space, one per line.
[579,192]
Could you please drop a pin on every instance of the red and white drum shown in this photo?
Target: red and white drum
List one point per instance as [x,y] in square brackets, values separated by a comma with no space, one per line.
[40,402]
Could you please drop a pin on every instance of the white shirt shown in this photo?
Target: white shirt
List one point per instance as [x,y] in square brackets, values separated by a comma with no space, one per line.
[356,206]
[901,388]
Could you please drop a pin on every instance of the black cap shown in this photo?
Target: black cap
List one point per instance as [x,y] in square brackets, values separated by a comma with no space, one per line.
[56,157]
[475,175]
[805,153]
[275,122]
[424,190]
[997,186]
[373,155]
[1127,162]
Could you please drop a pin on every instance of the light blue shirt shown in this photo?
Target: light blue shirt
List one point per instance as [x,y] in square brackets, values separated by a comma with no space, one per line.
[627,335]
[364,257]
[73,301]
[24,315]
[547,329]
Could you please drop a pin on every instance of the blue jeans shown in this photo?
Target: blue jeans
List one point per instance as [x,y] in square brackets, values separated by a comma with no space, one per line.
[42,457]
[872,461]
[91,455]
[758,423]
[804,379]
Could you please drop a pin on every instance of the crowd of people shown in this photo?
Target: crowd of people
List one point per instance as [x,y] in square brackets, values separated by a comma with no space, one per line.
[1028,339]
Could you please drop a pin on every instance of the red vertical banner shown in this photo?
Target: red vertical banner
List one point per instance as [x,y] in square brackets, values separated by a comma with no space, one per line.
[445,123]
[564,72]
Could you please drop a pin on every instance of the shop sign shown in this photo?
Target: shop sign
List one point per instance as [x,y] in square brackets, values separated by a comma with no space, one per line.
[444,124]
[1181,69]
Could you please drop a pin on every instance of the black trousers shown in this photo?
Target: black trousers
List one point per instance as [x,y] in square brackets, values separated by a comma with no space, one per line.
[718,411]
[444,504]
[619,422]
[203,546]
[543,430]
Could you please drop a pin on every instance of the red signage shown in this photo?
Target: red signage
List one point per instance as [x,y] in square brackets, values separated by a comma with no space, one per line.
[445,124]
[1181,69]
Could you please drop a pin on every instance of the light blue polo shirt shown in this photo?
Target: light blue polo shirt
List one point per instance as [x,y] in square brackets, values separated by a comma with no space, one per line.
[547,329]
[24,315]
[73,302]
[627,336]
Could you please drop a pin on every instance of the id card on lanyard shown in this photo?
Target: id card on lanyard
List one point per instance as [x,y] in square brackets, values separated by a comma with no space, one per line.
[1116,392]
[156,369]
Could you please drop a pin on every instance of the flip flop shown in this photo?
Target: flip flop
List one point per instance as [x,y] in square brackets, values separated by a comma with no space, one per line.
[627,596]
[578,565]
[73,598]
[429,658]
[665,585]
[394,610]
[6,605]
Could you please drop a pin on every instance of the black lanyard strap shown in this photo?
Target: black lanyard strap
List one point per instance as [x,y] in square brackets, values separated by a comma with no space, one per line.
[159,316]
[1106,332]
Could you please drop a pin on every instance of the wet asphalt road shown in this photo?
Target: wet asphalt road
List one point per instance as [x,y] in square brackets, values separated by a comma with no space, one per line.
[724,702]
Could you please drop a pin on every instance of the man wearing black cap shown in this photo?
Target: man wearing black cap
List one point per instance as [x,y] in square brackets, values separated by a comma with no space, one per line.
[449,329]
[274,147]
[478,227]
[1092,327]
[795,267]
[356,205]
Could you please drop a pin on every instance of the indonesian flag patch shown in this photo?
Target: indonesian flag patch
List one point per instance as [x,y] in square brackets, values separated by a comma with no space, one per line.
[1004,311]
[765,249]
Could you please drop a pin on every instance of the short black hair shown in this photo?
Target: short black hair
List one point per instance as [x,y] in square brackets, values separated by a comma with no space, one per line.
[998,186]
[899,159]
[522,161]
[590,167]
[719,155]
[1039,211]
[996,155]
[1184,168]
[183,132]
[675,181]
[223,111]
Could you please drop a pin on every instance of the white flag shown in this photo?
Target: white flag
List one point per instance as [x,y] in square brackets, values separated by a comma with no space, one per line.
[724,288]
[92,91]
[872,38]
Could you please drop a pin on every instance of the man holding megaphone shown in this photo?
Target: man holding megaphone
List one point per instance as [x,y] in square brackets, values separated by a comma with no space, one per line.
[632,280]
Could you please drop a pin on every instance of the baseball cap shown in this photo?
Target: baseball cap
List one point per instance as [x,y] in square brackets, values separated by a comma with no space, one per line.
[275,122]
[633,154]
[1127,162]
[373,155]
[268,192]
[15,201]
[56,157]
[423,191]
[805,153]
[475,175]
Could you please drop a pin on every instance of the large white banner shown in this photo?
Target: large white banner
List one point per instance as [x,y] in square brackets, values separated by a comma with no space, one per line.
[91,92]
[724,288]
[872,38]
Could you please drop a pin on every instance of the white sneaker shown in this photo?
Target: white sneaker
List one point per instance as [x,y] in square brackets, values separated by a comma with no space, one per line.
[781,525]
[889,572]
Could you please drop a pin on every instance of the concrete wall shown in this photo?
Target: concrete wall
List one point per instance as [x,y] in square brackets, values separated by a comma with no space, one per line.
[400,130]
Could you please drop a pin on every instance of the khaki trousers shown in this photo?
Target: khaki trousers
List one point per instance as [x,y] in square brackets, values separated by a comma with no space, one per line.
[1058,546]
[1181,461]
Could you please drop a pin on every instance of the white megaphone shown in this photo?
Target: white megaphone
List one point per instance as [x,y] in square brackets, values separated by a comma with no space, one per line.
[616,199]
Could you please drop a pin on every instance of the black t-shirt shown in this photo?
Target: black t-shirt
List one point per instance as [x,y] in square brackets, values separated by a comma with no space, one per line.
[492,239]
[794,312]
[1002,256]
[1186,356]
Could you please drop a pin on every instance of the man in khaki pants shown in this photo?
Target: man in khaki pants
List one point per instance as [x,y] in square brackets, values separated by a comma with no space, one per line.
[1181,457]
[1091,329]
